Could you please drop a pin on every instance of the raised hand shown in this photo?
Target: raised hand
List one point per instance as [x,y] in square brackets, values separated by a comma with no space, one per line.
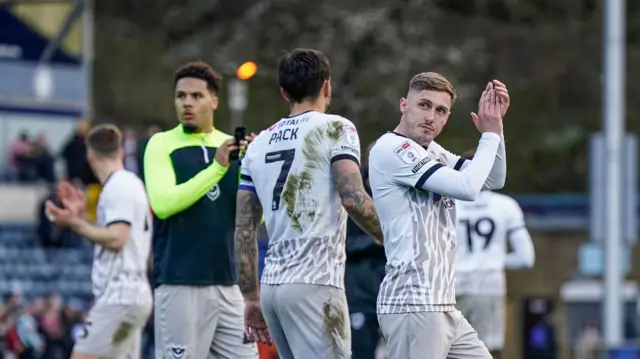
[60,216]
[503,96]
[489,116]
[224,150]
[72,198]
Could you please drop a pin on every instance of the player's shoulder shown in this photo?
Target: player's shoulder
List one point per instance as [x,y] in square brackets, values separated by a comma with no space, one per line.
[221,136]
[163,138]
[257,146]
[337,118]
[436,147]
[393,145]
[123,181]
[389,141]
[259,140]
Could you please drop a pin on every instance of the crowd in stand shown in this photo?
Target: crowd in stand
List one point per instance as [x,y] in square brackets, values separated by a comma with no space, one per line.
[39,328]
[30,159]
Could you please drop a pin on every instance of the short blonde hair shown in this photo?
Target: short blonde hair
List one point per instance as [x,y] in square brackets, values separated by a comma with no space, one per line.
[434,82]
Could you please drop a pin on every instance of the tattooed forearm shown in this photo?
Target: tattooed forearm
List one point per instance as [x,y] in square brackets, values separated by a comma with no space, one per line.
[248,212]
[356,200]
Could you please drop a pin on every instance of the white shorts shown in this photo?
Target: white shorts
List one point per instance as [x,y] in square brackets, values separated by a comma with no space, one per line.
[113,330]
[307,321]
[431,335]
[200,322]
[486,314]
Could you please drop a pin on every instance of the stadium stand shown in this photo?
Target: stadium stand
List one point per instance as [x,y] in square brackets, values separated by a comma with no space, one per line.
[27,267]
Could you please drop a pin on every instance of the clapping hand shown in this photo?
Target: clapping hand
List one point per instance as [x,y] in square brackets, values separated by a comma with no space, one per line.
[72,198]
[503,96]
[489,116]
[73,205]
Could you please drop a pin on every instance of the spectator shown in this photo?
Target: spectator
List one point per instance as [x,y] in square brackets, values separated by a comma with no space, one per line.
[27,327]
[12,341]
[72,322]
[78,169]
[16,151]
[35,163]
[588,341]
[53,328]
[13,301]
[52,236]
[5,325]
[130,146]
[42,159]
[74,154]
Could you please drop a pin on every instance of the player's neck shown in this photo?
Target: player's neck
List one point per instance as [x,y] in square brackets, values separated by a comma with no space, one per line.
[305,106]
[208,128]
[106,169]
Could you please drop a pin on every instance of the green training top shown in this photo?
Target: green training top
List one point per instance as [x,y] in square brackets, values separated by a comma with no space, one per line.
[194,200]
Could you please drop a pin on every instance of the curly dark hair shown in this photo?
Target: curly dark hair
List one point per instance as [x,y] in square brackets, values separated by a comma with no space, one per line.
[199,70]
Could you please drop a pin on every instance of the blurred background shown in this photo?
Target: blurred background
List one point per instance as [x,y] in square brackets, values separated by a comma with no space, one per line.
[68,64]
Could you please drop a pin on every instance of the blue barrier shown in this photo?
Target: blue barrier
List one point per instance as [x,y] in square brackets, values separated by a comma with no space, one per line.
[623,353]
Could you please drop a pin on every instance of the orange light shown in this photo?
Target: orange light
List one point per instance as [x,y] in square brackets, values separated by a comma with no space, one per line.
[247,70]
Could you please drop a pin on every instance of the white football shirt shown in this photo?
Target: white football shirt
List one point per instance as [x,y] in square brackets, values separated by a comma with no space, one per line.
[120,277]
[484,226]
[418,226]
[288,165]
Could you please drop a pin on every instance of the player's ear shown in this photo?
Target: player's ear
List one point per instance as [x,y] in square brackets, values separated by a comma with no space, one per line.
[326,88]
[403,105]
[214,101]
[284,94]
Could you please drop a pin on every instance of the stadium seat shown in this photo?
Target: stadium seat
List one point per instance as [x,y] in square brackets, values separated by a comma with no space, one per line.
[34,270]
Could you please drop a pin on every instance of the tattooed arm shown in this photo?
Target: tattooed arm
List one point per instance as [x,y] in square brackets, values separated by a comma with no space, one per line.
[248,215]
[355,199]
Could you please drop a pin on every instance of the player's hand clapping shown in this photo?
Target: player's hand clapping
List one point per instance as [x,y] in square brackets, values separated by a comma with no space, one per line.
[503,96]
[72,198]
[489,116]
[254,323]
[224,151]
[73,205]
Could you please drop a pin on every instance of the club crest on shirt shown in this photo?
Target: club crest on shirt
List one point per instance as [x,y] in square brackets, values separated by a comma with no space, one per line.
[177,351]
[357,320]
[407,153]
[214,193]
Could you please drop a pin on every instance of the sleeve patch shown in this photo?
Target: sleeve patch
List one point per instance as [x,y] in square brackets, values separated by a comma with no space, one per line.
[407,153]
[351,135]
[420,164]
